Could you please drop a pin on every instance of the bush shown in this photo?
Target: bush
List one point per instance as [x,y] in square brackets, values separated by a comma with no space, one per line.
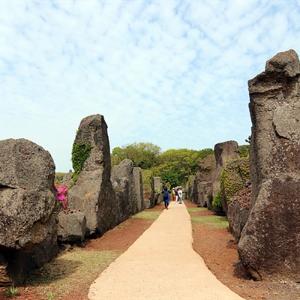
[12,292]
[244,150]
[147,176]
[217,202]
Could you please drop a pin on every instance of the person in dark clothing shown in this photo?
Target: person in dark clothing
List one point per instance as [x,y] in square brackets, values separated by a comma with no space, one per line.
[166,197]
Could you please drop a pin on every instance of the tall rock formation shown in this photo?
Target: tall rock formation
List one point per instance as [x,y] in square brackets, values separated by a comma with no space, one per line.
[156,193]
[28,208]
[270,240]
[138,188]
[128,186]
[203,186]
[224,153]
[93,193]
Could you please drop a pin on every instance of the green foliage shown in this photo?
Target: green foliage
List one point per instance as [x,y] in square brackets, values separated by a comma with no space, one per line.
[143,155]
[176,165]
[12,292]
[80,153]
[244,150]
[217,202]
[234,177]
[173,166]
[59,177]
[147,176]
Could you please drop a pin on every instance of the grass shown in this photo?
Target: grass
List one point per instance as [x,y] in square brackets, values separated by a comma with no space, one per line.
[212,221]
[196,209]
[59,277]
[147,215]
[12,292]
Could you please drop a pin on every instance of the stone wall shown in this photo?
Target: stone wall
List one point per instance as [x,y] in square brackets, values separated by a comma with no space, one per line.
[270,240]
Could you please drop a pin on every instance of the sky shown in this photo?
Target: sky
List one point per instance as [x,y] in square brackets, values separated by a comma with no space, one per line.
[173,73]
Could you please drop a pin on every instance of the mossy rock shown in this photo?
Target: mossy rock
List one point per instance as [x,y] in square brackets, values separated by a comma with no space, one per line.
[233,179]
[80,153]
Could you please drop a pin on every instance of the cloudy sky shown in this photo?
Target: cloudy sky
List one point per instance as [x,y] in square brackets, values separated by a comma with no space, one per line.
[169,72]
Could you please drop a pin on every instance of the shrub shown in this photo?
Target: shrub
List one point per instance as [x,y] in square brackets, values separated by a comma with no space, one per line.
[217,202]
[12,292]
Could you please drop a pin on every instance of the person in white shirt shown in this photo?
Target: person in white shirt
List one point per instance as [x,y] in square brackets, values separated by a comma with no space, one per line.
[180,195]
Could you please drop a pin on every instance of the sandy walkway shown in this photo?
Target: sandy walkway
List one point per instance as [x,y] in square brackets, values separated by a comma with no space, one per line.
[161,264]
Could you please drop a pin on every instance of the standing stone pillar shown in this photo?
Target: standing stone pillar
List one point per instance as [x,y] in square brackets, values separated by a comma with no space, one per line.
[270,240]
[92,193]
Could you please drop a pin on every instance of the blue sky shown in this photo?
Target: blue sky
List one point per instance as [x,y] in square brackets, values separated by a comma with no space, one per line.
[169,72]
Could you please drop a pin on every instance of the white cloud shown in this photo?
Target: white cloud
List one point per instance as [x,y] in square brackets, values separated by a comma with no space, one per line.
[170,72]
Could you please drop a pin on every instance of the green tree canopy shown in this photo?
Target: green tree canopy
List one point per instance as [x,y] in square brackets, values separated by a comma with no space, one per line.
[175,165]
[143,155]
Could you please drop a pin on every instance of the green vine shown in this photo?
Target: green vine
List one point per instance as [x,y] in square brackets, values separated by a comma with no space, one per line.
[80,154]
[217,204]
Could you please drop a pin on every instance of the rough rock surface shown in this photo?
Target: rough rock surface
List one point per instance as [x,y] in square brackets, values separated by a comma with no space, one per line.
[28,207]
[238,211]
[123,184]
[93,193]
[138,187]
[190,188]
[5,280]
[204,181]
[224,153]
[156,193]
[71,226]
[128,186]
[270,240]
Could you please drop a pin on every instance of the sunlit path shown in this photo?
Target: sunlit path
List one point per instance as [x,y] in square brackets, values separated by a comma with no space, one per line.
[161,264]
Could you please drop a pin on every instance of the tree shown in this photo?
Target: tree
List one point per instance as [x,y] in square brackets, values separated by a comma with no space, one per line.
[176,165]
[143,155]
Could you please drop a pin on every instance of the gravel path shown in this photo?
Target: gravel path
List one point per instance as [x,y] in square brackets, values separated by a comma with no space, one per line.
[161,264]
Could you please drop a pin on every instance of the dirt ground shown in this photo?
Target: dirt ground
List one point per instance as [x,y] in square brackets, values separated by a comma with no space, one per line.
[69,276]
[219,251]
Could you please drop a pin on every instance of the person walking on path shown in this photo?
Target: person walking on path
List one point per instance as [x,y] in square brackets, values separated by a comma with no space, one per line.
[180,195]
[166,197]
[176,194]
[173,195]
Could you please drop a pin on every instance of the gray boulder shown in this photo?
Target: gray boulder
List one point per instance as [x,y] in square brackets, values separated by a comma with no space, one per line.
[128,186]
[92,193]
[270,240]
[204,181]
[123,185]
[28,207]
[71,226]
[225,152]
[156,191]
